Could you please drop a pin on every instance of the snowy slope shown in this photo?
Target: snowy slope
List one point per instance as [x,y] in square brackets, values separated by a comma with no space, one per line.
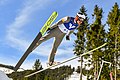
[76,76]
[3,76]
[6,70]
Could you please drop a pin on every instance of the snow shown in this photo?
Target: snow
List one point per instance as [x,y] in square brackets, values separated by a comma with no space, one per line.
[3,76]
[76,76]
[6,70]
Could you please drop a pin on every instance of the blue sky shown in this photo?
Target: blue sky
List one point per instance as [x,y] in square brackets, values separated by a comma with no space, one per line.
[21,20]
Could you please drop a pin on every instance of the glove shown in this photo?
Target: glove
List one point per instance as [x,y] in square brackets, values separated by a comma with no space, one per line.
[67,38]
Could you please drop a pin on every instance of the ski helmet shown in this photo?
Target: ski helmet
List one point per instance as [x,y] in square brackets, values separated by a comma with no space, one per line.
[80,15]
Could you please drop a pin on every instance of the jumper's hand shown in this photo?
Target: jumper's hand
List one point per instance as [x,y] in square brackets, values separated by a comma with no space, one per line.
[67,38]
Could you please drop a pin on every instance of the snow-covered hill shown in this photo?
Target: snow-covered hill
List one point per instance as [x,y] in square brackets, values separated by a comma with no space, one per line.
[76,76]
[3,72]
[3,76]
[6,70]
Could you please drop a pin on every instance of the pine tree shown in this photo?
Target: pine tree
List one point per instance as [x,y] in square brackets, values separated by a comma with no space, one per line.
[80,42]
[113,22]
[95,37]
[37,65]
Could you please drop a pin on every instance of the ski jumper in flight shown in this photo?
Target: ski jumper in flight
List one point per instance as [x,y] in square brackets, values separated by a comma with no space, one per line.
[64,27]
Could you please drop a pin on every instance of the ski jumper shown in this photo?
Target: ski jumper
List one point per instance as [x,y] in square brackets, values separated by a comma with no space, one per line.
[58,32]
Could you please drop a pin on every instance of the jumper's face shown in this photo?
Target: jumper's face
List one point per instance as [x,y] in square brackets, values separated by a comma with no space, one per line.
[79,20]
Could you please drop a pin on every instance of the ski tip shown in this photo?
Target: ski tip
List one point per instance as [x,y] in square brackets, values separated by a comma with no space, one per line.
[55,13]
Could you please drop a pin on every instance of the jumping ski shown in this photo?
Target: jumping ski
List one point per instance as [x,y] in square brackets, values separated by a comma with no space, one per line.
[40,34]
[89,52]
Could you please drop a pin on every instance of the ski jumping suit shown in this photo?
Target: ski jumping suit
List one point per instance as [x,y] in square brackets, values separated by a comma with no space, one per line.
[58,30]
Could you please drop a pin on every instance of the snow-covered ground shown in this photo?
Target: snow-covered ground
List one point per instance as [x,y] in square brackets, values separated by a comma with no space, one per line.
[3,76]
[6,70]
[76,76]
